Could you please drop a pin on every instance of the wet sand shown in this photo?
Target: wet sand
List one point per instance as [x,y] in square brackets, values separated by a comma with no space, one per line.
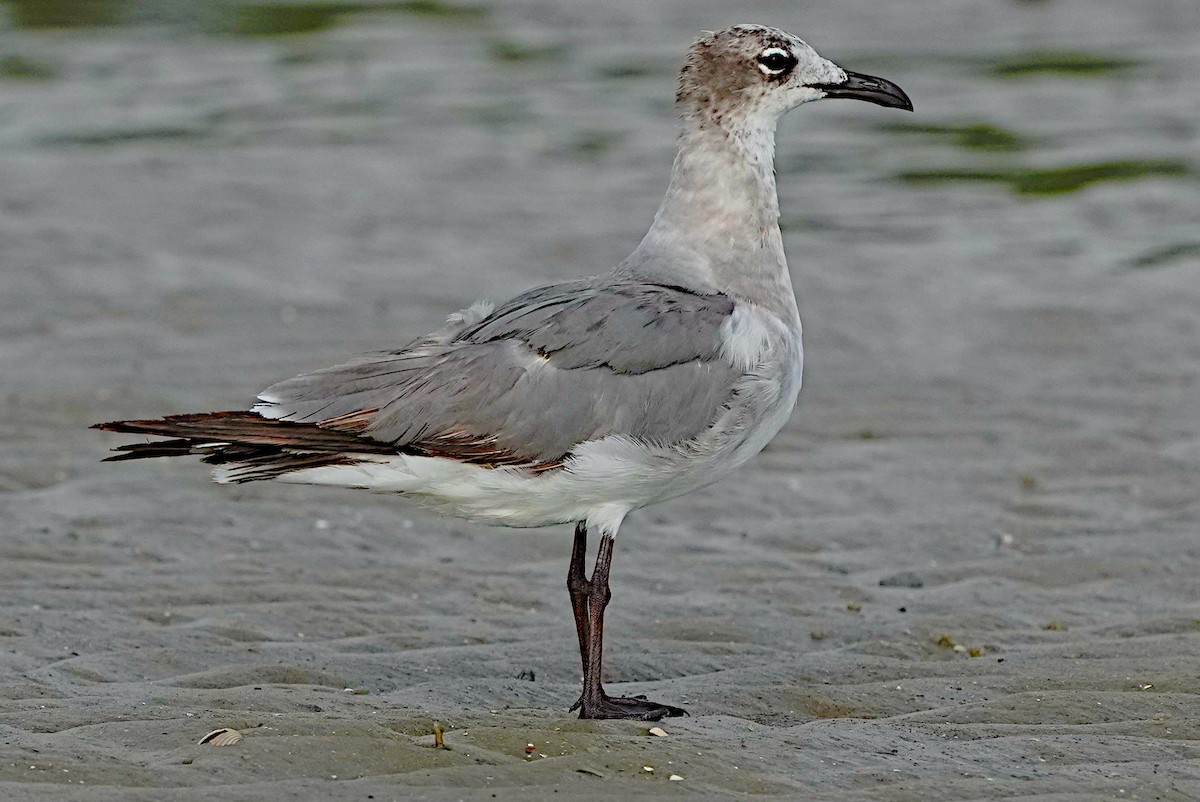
[968,568]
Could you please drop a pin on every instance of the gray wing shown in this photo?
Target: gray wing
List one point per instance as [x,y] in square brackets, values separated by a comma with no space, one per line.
[525,384]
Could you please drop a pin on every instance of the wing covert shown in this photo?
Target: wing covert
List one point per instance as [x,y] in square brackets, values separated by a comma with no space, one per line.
[525,384]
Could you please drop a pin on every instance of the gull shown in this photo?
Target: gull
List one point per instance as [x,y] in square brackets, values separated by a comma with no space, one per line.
[581,401]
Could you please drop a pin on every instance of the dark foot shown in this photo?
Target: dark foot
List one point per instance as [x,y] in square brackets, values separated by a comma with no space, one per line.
[628,707]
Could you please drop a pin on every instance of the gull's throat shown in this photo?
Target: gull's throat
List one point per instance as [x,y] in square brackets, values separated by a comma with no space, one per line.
[717,228]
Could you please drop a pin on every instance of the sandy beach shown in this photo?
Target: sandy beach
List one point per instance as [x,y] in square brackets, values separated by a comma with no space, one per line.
[969,568]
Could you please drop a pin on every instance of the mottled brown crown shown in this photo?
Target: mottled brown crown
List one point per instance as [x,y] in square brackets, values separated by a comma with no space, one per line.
[720,77]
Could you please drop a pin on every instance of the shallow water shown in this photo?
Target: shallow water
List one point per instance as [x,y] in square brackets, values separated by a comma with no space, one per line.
[997,446]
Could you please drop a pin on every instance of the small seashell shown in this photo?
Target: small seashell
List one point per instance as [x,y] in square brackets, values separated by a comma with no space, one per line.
[675,777]
[658,732]
[222,737]
[648,769]
[958,647]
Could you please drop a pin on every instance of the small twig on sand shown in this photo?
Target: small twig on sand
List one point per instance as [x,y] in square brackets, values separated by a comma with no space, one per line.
[438,743]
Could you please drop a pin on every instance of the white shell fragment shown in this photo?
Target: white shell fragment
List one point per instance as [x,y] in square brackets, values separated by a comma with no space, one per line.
[675,778]
[658,732]
[222,737]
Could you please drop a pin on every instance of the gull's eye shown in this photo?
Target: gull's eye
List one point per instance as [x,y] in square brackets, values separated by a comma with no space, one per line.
[775,61]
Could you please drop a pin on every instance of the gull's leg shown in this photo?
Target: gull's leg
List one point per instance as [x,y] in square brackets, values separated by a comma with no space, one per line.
[578,586]
[594,703]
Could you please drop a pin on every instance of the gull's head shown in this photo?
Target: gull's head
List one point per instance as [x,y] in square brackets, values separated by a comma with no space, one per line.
[752,74]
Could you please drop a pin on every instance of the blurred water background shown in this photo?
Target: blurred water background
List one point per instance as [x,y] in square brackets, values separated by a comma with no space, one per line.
[374,151]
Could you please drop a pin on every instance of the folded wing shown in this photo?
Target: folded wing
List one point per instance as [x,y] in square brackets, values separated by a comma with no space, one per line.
[550,369]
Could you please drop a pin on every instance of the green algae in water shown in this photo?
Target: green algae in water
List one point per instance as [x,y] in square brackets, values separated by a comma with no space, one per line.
[274,19]
[515,53]
[593,144]
[1056,180]
[973,136]
[163,133]
[19,68]
[1064,63]
[440,10]
[1071,179]
[68,13]
[278,19]
[493,116]
[628,70]
[1179,252]
[298,59]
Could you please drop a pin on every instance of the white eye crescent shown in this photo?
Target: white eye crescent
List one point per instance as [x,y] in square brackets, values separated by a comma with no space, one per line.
[775,61]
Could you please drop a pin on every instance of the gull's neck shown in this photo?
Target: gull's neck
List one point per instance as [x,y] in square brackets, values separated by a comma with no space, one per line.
[717,229]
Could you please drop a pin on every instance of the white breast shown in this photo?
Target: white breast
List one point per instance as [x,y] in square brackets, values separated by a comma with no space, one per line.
[770,350]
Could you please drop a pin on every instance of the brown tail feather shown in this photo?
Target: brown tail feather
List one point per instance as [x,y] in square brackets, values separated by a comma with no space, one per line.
[237,428]
[163,448]
[261,448]
[272,465]
[252,446]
